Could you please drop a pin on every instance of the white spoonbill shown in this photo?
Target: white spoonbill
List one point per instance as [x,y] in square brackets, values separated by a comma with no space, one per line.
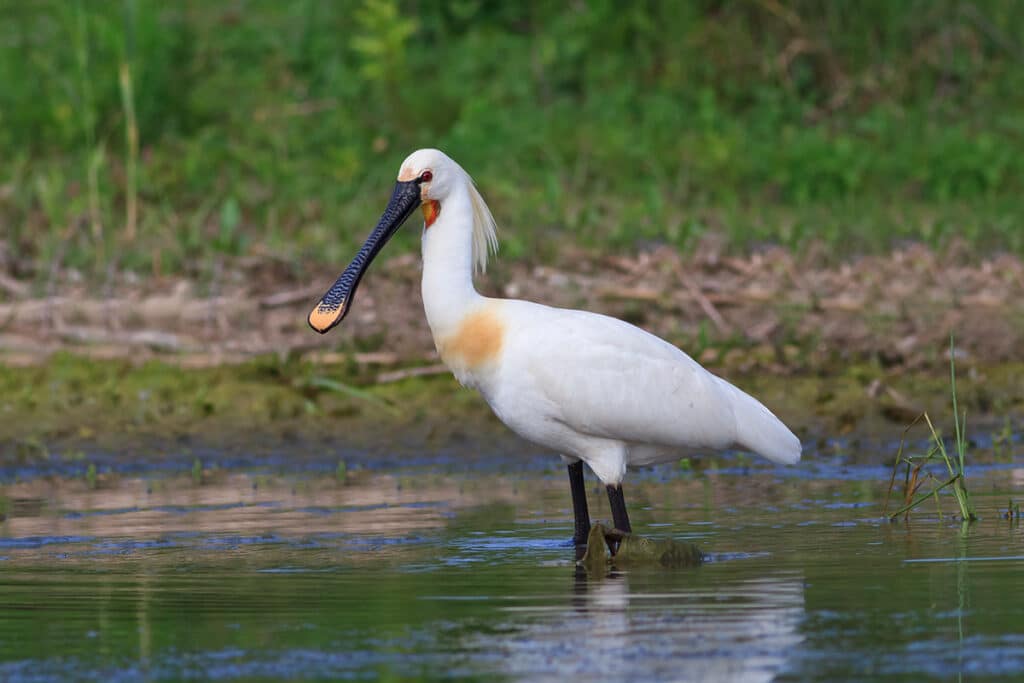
[593,388]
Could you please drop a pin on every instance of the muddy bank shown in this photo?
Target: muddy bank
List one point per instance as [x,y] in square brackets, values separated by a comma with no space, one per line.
[772,311]
[74,404]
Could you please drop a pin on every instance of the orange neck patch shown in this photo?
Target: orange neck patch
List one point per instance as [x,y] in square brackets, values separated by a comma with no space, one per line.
[431,210]
[478,340]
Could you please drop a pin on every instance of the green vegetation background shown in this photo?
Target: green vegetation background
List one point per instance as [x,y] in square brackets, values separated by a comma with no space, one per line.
[163,137]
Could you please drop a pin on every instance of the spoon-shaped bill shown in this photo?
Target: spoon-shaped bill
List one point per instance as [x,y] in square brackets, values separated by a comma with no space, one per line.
[334,305]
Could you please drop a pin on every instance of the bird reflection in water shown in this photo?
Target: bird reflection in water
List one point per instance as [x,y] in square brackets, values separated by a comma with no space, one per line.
[655,625]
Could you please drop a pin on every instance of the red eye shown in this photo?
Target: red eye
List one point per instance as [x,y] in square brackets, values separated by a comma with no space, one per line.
[426,177]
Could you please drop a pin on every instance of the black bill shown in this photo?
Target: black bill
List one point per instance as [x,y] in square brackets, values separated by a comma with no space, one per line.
[335,303]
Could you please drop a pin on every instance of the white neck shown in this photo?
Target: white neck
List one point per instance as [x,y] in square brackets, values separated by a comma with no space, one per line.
[447,285]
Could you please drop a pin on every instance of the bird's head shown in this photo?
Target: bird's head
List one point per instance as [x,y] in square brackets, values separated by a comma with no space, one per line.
[426,178]
[436,173]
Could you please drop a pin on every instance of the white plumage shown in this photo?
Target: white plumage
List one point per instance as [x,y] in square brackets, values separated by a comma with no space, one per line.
[606,392]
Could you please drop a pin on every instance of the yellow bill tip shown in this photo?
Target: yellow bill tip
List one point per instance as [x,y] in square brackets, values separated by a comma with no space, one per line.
[322,318]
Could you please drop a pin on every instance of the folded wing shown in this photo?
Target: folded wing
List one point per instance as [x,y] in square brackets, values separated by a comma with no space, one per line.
[607,378]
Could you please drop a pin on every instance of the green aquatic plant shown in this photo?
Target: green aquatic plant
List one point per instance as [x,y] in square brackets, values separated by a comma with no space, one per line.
[956,468]
[197,471]
[611,547]
[90,475]
[915,475]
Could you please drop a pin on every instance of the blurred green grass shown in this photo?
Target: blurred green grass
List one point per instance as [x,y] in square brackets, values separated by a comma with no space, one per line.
[167,137]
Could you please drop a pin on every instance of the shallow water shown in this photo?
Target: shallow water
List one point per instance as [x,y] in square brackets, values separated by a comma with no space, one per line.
[255,570]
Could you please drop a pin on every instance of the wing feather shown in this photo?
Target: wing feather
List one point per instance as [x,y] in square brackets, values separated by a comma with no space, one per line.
[610,379]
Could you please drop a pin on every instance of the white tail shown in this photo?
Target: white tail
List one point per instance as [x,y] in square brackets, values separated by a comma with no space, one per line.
[758,430]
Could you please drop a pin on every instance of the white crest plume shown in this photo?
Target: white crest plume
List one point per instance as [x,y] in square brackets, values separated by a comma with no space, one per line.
[485,230]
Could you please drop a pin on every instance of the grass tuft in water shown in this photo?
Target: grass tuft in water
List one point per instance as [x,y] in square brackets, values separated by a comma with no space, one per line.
[915,475]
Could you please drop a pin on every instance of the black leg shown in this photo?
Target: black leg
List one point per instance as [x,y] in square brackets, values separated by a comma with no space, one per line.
[618,503]
[579,504]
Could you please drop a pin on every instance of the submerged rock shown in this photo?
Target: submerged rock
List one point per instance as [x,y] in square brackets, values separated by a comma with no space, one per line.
[612,547]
